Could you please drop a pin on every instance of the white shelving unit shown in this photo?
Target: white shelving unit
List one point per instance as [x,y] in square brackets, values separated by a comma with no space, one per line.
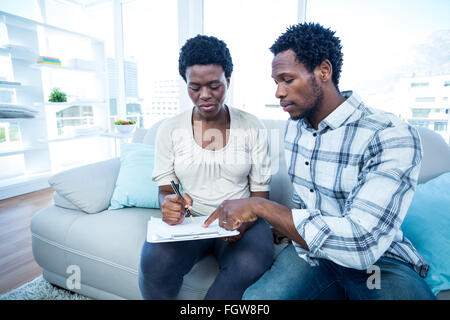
[82,76]
[64,68]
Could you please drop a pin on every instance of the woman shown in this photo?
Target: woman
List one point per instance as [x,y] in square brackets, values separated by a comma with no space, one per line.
[215,153]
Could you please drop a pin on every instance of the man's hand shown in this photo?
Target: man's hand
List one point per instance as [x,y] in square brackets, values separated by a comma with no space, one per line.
[232,214]
[278,236]
[244,227]
[173,208]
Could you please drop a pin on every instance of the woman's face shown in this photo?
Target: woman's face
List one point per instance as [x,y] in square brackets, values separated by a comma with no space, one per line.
[207,87]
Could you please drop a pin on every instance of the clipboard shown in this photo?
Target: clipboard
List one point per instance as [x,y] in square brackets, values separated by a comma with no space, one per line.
[158,231]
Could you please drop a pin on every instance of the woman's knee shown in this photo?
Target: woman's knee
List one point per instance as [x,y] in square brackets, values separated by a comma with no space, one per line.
[248,264]
[157,259]
[251,265]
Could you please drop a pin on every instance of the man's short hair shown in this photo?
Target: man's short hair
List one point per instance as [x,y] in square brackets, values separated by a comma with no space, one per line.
[205,50]
[312,44]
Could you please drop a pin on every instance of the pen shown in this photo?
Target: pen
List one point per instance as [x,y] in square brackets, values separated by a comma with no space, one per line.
[174,187]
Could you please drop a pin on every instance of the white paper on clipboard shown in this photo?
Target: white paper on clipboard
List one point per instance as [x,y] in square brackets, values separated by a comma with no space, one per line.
[159,231]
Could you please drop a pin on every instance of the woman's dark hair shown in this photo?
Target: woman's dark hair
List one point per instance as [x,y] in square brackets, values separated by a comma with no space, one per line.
[205,50]
[312,44]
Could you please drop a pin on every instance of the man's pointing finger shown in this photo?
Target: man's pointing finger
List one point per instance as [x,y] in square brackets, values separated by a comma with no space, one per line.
[211,218]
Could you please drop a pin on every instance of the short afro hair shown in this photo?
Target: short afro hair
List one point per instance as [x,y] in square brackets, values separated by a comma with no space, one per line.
[312,44]
[205,50]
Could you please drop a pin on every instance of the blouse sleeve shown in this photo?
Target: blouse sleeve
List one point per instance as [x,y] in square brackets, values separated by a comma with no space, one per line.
[260,171]
[163,170]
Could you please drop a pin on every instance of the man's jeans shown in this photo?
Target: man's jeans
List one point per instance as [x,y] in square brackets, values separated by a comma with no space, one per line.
[293,278]
[163,265]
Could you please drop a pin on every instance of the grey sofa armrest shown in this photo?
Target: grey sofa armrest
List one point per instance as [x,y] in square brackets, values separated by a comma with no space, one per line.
[89,187]
[436,155]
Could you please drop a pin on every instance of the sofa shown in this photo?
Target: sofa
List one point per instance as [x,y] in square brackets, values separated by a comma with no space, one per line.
[79,230]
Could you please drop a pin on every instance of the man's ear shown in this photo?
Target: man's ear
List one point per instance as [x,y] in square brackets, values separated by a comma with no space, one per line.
[324,71]
[228,82]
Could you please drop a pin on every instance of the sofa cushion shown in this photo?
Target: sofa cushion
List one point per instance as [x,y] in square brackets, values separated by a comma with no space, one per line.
[61,201]
[89,187]
[134,185]
[281,188]
[427,225]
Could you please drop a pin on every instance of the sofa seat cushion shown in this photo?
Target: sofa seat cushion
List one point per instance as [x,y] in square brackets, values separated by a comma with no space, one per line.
[106,245]
[48,233]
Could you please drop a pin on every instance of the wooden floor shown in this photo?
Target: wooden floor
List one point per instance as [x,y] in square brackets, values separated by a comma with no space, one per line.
[17,265]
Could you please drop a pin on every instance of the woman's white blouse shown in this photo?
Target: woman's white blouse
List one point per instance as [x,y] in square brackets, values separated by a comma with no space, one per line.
[208,176]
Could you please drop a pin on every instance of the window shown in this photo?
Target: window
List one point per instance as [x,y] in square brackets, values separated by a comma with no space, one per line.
[9,132]
[150,41]
[419,123]
[69,119]
[420,113]
[419,84]
[249,28]
[392,49]
[425,99]
[440,126]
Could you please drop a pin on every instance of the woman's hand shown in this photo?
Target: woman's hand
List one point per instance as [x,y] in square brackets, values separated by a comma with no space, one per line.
[173,208]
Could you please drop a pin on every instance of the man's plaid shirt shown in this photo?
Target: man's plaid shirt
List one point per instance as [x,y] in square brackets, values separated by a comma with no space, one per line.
[354,179]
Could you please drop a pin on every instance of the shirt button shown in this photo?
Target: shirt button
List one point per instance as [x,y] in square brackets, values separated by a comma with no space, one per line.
[314,134]
[307,163]
[311,190]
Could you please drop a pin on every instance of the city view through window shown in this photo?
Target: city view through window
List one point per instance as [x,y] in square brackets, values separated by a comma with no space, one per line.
[396,55]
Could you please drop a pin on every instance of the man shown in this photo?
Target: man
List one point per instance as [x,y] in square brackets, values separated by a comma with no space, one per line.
[354,170]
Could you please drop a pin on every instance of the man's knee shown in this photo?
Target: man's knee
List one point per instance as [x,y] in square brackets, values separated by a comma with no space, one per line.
[393,279]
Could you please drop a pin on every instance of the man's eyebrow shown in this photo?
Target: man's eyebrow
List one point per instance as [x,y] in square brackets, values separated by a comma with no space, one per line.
[280,75]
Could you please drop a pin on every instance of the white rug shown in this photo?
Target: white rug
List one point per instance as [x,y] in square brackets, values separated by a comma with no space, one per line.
[41,289]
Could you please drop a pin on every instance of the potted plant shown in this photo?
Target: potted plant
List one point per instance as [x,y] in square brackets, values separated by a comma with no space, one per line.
[57,96]
[125,126]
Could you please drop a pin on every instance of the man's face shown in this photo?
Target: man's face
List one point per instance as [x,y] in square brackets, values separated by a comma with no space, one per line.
[297,88]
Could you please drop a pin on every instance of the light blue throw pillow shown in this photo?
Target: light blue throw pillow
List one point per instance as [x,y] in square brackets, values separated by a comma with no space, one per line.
[427,226]
[134,185]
